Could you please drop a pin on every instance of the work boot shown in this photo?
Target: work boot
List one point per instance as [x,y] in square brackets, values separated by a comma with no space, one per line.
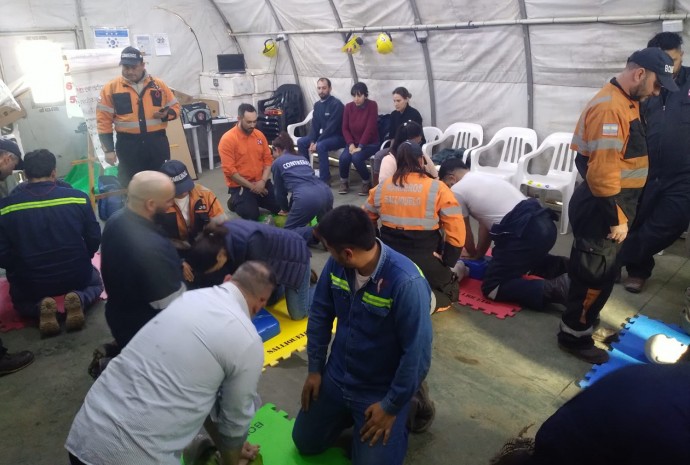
[422,410]
[592,354]
[556,289]
[10,363]
[344,186]
[48,324]
[633,284]
[74,311]
[366,187]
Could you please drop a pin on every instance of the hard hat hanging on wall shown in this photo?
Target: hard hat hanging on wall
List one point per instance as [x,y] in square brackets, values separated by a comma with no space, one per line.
[384,43]
[270,48]
[353,44]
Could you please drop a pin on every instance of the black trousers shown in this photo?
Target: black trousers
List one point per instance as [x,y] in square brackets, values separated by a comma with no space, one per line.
[663,215]
[75,461]
[140,152]
[592,267]
[246,203]
[419,246]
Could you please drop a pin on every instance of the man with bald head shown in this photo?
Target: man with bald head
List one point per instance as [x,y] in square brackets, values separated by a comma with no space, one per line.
[141,270]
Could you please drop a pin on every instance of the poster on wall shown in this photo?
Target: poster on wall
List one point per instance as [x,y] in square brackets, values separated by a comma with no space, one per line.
[162,42]
[86,72]
[143,43]
[111,37]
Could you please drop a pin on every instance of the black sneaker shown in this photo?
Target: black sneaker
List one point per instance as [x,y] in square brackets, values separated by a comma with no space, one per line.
[556,289]
[10,363]
[593,354]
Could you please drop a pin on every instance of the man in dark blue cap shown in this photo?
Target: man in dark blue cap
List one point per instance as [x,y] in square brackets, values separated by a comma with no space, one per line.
[612,158]
[664,211]
[138,107]
[10,157]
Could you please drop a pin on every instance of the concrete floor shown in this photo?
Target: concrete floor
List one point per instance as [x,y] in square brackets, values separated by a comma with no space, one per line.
[490,378]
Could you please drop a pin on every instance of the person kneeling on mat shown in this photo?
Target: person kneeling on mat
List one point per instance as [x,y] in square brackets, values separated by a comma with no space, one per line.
[220,249]
[292,174]
[523,233]
[201,355]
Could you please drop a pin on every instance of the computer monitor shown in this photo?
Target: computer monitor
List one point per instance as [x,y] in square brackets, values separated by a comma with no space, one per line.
[231,63]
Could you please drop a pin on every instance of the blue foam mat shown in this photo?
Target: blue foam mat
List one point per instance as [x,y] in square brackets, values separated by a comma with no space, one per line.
[629,349]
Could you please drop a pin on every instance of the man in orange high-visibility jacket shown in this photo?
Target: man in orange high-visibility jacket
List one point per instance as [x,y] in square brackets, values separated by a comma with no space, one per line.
[612,158]
[138,107]
[413,208]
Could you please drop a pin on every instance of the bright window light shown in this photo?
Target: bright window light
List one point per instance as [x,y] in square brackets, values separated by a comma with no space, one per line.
[41,62]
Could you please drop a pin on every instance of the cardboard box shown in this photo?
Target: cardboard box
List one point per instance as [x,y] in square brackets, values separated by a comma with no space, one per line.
[9,115]
[228,85]
[184,99]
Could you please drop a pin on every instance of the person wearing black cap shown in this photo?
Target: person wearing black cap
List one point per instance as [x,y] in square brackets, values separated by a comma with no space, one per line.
[195,206]
[10,157]
[664,211]
[137,107]
[612,158]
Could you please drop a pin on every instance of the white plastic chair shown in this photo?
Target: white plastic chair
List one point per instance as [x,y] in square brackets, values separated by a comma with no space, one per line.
[431,134]
[467,135]
[561,175]
[293,127]
[515,142]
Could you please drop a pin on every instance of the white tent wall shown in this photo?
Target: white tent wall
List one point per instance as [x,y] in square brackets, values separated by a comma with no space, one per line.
[480,74]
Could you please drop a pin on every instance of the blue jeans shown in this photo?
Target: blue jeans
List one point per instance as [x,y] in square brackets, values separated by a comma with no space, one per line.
[359,159]
[322,148]
[334,411]
[298,300]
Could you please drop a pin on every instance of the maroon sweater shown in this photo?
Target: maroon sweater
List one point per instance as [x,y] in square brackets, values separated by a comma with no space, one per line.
[360,123]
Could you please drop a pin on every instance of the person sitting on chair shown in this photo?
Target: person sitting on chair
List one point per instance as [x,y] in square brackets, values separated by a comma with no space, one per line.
[48,236]
[326,132]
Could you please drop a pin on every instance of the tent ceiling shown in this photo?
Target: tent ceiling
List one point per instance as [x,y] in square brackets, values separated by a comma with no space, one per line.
[479,74]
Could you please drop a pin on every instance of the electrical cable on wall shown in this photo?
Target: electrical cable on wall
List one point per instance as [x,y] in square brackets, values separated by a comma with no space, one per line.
[198,44]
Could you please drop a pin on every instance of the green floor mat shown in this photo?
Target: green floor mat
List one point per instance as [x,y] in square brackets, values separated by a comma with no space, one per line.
[272,430]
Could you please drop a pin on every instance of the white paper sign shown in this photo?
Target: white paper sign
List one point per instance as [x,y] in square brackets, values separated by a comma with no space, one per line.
[88,71]
[143,44]
[111,37]
[162,44]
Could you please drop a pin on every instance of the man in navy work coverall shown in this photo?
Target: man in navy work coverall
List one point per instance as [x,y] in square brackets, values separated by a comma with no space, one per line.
[664,211]
[382,346]
[326,132]
[48,236]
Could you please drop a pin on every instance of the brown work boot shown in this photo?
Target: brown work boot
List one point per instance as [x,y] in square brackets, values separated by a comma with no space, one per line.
[366,187]
[633,284]
[344,187]
[74,311]
[48,324]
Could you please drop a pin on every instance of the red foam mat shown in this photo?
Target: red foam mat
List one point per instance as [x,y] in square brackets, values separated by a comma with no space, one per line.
[10,319]
[471,296]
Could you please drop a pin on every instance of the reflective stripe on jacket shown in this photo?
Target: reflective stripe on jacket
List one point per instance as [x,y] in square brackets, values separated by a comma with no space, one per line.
[422,204]
[121,108]
[203,205]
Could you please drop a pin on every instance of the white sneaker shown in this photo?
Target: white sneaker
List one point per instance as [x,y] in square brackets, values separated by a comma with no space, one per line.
[460,269]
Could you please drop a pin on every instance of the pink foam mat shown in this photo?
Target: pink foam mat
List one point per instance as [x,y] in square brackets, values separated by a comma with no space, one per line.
[10,319]
[471,296]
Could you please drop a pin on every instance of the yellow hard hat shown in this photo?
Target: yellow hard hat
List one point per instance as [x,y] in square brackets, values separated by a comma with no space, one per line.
[352,45]
[384,43]
[270,48]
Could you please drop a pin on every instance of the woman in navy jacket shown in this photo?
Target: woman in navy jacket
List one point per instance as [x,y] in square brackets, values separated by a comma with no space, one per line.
[292,174]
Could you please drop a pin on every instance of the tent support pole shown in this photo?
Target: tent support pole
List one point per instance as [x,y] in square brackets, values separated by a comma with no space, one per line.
[427,62]
[351,61]
[528,66]
[227,25]
[287,43]
[623,20]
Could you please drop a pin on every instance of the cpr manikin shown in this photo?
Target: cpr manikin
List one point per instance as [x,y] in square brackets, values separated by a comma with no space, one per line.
[664,349]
